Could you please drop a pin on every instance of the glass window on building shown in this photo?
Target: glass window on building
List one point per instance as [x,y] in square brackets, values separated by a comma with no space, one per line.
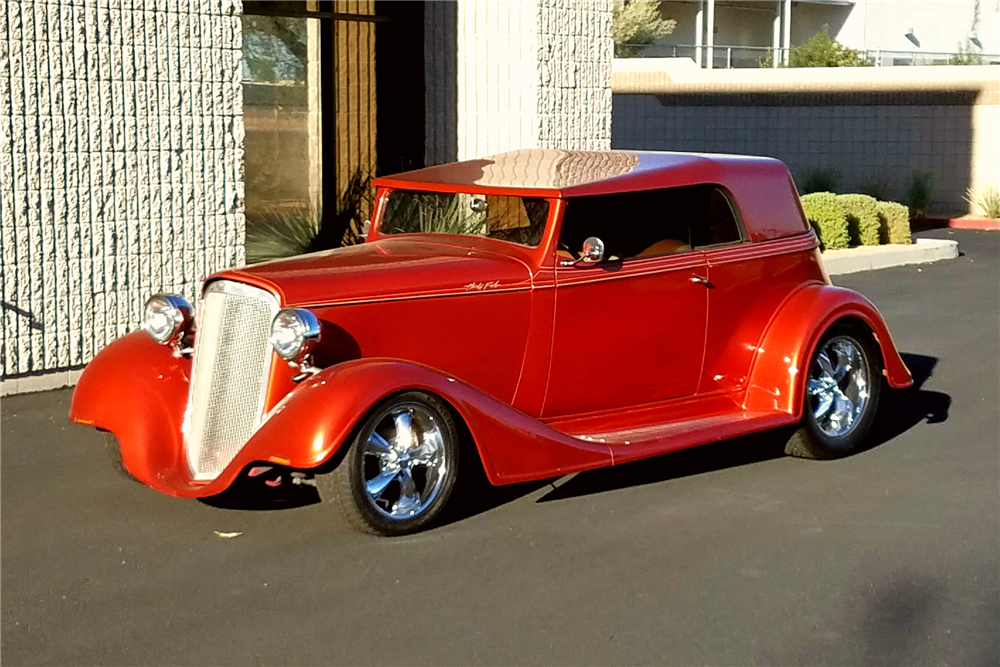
[282,113]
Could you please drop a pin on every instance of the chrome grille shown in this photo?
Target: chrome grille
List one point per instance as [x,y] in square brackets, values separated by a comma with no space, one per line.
[232,361]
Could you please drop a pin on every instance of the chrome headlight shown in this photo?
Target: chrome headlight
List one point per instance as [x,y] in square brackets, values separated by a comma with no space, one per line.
[294,333]
[167,318]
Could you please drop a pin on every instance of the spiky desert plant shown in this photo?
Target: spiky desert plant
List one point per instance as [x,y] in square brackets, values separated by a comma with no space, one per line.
[275,233]
[894,223]
[877,188]
[819,180]
[862,218]
[987,201]
[828,218]
[920,191]
[636,24]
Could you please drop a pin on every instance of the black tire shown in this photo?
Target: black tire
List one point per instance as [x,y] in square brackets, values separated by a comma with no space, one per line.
[346,486]
[113,451]
[811,440]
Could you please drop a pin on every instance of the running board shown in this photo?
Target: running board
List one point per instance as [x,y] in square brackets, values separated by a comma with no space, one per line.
[644,441]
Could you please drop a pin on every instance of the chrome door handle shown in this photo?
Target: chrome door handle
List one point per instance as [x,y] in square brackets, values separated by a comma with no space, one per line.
[699,280]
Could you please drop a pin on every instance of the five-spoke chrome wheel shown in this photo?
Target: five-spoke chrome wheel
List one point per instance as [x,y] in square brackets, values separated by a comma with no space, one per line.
[838,386]
[842,388]
[405,462]
[400,469]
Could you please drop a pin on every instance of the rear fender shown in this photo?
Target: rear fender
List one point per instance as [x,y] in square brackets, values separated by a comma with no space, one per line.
[317,418]
[781,360]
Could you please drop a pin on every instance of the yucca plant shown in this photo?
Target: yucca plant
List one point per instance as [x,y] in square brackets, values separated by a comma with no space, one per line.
[920,191]
[819,180]
[280,232]
[277,232]
[987,201]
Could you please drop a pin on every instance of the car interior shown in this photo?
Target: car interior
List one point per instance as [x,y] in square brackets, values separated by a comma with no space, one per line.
[650,223]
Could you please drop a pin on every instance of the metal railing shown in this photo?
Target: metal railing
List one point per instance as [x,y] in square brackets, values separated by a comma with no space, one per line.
[724,56]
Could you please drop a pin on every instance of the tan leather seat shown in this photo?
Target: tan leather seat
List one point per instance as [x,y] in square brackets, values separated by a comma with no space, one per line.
[665,247]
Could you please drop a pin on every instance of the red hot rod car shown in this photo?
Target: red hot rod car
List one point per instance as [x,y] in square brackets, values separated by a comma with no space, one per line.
[545,311]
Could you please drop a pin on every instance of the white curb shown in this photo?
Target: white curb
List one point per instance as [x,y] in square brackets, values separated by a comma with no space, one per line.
[869,258]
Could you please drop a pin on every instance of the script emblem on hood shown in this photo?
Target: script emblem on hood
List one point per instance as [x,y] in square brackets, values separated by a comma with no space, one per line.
[478,287]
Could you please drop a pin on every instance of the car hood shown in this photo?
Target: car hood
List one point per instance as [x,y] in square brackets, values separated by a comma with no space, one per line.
[385,269]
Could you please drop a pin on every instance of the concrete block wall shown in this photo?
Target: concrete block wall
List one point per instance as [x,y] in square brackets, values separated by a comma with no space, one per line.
[532,75]
[121,167]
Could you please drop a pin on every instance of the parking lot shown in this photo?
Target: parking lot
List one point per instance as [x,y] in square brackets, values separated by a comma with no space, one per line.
[730,553]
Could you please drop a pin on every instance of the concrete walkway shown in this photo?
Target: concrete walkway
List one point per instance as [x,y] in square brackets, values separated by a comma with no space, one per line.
[868,258]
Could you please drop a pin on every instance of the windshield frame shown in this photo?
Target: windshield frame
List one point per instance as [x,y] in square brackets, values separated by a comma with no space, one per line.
[554,210]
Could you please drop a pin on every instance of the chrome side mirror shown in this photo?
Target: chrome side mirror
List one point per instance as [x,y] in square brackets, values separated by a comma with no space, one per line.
[366,227]
[593,250]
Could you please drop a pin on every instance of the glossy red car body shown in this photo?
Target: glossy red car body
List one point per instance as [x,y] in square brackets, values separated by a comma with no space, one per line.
[553,369]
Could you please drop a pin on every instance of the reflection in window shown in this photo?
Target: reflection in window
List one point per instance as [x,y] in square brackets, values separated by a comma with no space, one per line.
[516,219]
[281,108]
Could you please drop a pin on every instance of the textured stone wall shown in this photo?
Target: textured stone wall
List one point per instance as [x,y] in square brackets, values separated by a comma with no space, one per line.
[121,138]
[574,61]
[533,75]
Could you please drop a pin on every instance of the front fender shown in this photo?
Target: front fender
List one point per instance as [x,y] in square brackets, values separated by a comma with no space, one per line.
[782,357]
[321,413]
[138,390]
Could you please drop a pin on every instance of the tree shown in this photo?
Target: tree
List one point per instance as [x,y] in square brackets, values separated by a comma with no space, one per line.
[823,51]
[636,23]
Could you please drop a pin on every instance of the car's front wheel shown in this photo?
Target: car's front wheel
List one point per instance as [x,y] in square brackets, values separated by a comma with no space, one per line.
[842,391]
[400,468]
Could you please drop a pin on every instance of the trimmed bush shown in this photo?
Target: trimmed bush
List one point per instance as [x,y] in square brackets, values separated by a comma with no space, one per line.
[894,222]
[827,217]
[862,218]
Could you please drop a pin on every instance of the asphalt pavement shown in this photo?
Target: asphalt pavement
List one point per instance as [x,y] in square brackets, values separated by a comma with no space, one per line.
[726,554]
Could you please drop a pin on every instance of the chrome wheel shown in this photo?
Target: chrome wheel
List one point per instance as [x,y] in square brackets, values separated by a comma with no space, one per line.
[405,461]
[838,386]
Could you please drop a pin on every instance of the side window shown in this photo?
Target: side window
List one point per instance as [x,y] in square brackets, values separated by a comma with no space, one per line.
[631,224]
[649,223]
[718,223]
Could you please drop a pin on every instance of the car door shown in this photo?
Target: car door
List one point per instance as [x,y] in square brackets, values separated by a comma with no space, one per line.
[630,329]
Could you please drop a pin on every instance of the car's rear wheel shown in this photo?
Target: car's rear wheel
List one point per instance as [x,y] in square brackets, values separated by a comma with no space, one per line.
[400,468]
[843,385]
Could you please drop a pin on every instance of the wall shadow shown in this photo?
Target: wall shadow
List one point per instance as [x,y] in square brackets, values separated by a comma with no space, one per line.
[871,140]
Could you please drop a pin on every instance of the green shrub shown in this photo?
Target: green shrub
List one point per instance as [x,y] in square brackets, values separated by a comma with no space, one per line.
[636,24]
[920,191]
[862,218]
[819,180]
[894,222]
[822,51]
[828,219]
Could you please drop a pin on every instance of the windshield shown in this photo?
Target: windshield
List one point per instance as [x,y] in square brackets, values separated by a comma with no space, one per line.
[503,217]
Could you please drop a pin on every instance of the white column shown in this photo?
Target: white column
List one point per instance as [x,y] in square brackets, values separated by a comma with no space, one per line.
[788,31]
[315,120]
[710,30]
[776,36]
[699,33]
[532,74]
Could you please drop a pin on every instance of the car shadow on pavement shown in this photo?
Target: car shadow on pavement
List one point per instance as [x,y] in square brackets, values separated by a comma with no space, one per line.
[899,411]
